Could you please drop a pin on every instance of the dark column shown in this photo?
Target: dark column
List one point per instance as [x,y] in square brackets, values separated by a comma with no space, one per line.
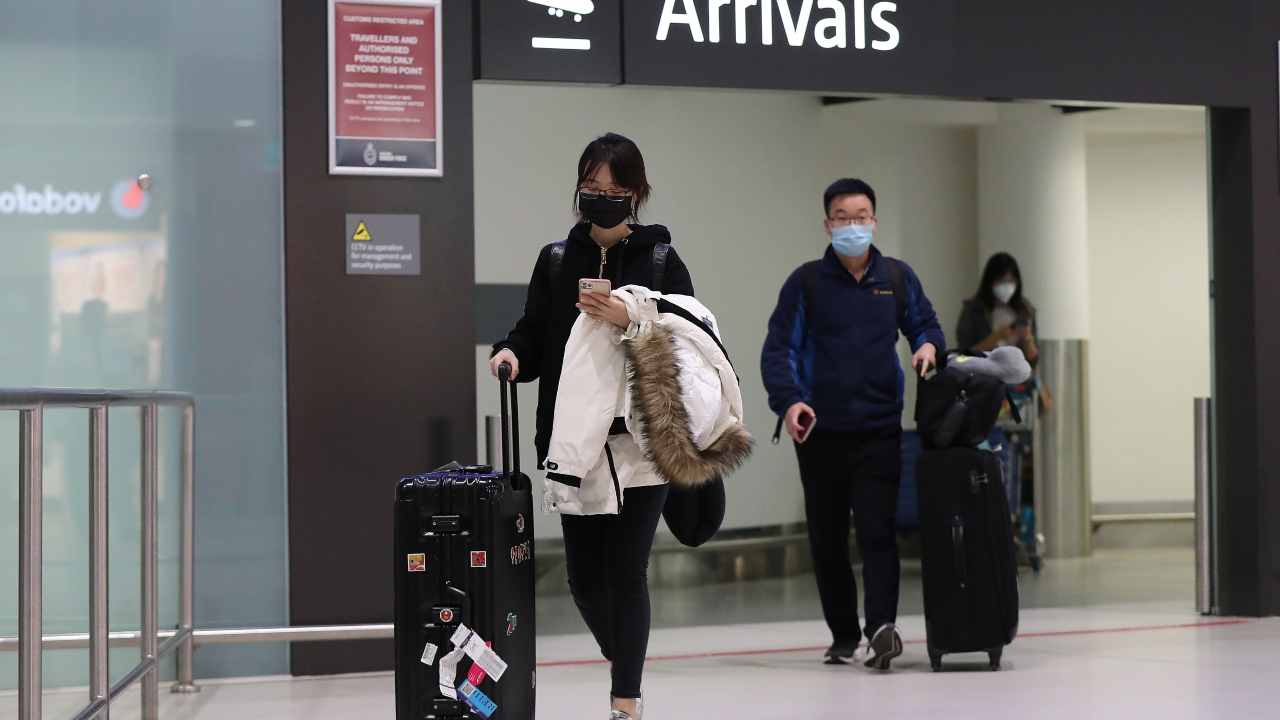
[381,377]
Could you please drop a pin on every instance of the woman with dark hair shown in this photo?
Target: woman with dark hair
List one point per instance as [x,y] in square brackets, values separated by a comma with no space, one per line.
[999,315]
[608,554]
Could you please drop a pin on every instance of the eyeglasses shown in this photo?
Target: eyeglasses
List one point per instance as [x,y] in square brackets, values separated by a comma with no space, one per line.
[845,222]
[590,193]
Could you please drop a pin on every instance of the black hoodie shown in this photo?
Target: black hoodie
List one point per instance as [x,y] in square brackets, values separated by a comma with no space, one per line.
[539,338]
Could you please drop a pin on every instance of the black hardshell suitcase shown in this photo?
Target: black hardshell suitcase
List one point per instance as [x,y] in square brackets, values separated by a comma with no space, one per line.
[969,566]
[464,555]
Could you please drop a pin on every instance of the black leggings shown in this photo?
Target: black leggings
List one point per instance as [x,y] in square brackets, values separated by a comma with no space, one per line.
[608,558]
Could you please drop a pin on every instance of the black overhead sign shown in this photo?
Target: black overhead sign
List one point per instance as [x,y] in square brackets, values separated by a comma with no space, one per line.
[795,44]
[1102,50]
[550,40]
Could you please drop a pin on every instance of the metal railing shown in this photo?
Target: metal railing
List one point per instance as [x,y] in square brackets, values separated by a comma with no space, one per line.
[157,644]
[30,643]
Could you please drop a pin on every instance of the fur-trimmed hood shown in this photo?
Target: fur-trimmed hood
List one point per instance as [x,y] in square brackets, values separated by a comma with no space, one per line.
[658,403]
[686,406]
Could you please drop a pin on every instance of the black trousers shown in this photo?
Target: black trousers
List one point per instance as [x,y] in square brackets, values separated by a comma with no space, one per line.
[859,470]
[608,559]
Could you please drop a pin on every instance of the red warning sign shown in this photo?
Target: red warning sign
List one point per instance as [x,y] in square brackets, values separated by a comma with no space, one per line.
[385,93]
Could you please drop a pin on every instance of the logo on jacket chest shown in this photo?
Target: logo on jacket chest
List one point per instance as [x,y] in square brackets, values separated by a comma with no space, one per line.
[867,309]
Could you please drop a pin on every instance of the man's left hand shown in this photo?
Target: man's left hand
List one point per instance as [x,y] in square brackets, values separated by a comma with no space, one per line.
[925,359]
[605,307]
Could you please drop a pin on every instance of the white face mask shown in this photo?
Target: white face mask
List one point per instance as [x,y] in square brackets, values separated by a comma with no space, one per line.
[1004,292]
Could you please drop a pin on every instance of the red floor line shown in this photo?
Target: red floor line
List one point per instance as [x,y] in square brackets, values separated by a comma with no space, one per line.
[817,648]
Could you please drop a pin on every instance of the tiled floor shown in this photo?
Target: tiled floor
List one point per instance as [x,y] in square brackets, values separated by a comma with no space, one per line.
[1108,577]
[1110,637]
[1134,661]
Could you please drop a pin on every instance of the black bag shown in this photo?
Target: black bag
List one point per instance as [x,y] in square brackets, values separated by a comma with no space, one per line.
[958,408]
[464,556]
[968,561]
[694,515]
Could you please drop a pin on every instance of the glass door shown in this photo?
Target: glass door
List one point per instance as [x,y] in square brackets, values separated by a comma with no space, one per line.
[172,283]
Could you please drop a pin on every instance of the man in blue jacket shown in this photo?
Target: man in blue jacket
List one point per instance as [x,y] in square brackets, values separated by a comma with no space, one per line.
[831,367]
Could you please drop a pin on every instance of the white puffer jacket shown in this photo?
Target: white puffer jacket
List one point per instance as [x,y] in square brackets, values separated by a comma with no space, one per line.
[670,381]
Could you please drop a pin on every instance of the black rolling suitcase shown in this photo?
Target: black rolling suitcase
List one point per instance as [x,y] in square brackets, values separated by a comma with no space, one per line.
[970,574]
[464,616]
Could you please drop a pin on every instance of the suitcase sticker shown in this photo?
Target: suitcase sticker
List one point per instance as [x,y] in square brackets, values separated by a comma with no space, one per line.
[417,562]
[479,559]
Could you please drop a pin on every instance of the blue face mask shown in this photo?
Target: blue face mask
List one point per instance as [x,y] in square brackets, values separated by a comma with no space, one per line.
[852,240]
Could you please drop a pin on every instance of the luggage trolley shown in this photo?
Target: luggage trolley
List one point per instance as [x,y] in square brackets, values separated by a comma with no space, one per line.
[1020,448]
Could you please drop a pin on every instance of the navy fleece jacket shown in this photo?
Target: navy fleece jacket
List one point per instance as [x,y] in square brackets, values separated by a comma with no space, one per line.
[832,342]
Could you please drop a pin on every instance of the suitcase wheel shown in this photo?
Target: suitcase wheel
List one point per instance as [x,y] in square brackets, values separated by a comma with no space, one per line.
[995,656]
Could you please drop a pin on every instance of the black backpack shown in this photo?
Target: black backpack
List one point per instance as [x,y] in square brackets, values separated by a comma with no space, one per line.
[659,260]
[958,408]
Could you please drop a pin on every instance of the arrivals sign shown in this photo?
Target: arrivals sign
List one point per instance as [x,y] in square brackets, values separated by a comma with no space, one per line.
[385,87]
[825,45]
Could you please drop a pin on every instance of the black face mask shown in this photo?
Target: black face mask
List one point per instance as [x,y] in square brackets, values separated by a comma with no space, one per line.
[603,212]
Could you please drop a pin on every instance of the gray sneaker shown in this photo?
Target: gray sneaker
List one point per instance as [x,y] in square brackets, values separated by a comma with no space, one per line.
[886,645]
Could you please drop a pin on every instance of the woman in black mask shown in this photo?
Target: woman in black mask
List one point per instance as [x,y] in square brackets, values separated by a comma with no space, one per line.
[607,554]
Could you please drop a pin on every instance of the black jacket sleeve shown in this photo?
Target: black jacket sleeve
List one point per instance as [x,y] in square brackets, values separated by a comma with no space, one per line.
[529,335]
[973,326]
[677,280]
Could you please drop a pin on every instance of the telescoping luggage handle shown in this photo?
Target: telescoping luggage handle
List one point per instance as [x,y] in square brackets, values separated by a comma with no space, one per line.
[510,426]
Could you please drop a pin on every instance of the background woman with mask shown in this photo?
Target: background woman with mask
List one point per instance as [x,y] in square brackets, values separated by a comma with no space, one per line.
[607,555]
[999,315]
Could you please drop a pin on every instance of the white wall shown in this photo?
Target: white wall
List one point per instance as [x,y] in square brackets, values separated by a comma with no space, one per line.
[1107,213]
[1032,189]
[738,178]
[1149,352]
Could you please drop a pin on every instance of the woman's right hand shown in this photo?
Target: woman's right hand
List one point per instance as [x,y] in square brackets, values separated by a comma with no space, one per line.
[508,357]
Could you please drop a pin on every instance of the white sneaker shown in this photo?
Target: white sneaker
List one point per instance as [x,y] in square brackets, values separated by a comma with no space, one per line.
[624,715]
[886,645]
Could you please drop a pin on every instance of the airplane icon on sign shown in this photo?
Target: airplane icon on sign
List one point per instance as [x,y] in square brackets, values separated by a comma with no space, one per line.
[557,8]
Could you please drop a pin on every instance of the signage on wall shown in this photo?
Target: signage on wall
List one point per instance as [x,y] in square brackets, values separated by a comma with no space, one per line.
[550,40]
[118,204]
[383,244]
[127,200]
[385,82]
